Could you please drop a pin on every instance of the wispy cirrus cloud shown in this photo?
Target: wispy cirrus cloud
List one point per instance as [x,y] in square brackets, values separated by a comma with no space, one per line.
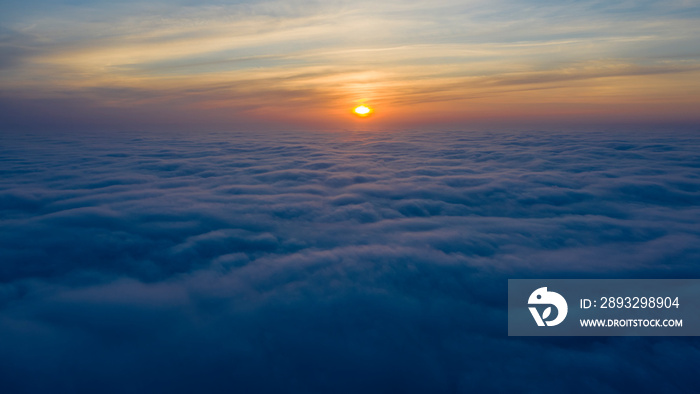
[333,54]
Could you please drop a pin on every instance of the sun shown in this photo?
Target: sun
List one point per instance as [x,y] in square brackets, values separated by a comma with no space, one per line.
[362,111]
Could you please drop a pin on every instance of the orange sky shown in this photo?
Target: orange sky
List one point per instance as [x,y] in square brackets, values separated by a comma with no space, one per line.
[305,64]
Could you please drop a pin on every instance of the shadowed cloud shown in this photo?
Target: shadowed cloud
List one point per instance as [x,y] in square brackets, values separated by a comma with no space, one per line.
[309,262]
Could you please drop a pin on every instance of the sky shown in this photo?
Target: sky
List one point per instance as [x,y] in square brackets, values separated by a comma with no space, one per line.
[303,65]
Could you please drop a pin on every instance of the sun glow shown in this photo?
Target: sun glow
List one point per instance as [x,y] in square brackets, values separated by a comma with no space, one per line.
[362,111]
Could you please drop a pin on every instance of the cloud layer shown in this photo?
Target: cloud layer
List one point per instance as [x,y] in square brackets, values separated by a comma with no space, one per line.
[347,262]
